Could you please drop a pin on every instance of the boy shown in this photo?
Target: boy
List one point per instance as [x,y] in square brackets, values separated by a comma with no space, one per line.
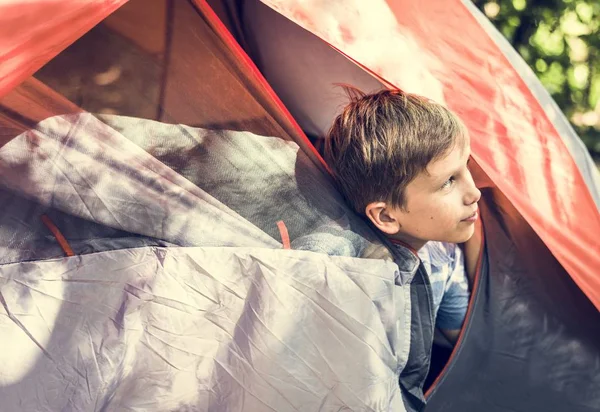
[401,160]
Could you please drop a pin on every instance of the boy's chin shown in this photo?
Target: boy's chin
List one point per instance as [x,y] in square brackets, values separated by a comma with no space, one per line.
[463,235]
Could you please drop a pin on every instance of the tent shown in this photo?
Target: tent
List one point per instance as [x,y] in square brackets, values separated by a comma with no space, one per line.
[171,238]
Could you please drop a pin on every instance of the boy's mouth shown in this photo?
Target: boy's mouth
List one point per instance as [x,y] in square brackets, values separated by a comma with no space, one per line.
[471,218]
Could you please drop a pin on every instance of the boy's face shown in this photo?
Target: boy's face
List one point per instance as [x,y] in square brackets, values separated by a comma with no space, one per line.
[441,203]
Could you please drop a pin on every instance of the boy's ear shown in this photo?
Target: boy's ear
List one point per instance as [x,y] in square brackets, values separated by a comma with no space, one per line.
[379,214]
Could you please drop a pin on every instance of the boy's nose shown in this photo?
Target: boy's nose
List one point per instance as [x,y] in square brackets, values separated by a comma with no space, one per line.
[473,194]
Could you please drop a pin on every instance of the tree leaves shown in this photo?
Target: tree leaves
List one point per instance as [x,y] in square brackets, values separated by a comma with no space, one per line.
[560,40]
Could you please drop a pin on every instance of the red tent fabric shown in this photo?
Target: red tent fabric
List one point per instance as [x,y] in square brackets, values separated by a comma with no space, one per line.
[29,38]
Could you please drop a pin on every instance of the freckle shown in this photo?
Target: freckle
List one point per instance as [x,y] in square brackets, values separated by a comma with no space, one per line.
[431,218]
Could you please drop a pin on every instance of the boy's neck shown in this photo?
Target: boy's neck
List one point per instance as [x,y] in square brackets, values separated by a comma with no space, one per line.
[411,244]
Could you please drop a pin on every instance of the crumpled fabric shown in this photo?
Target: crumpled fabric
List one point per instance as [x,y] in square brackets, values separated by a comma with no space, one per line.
[204,329]
[180,295]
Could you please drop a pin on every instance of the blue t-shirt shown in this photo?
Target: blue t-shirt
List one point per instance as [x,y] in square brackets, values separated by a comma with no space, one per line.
[445,266]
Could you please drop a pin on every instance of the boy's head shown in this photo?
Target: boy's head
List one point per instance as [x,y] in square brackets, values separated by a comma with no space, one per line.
[401,160]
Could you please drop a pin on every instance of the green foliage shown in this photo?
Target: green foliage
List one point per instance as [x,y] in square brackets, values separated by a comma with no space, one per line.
[560,40]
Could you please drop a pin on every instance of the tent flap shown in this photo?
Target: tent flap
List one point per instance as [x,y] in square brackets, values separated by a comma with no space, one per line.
[28,38]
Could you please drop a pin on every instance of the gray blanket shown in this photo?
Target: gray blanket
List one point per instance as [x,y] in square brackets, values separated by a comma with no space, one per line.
[180,295]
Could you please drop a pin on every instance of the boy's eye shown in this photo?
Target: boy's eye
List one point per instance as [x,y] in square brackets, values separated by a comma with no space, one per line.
[448,183]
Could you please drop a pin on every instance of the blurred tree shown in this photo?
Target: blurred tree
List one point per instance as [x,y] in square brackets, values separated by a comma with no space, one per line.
[560,40]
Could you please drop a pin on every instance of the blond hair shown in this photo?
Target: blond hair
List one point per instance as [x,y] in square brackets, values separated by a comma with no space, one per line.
[382,141]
